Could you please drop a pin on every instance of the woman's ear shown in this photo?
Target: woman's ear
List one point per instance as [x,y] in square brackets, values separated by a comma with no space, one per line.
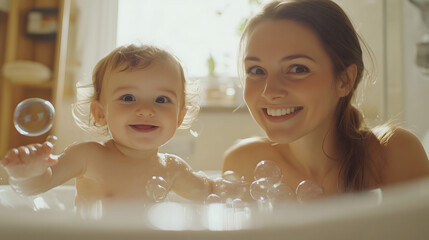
[347,80]
[182,115]
[97,111]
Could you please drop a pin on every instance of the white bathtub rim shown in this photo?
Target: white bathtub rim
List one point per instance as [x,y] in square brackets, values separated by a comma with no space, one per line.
[330,213]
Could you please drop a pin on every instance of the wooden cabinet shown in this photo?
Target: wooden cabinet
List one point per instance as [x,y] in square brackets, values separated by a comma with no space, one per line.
[20,46]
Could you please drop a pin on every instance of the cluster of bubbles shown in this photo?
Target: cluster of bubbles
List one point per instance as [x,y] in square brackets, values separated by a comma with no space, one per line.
[34,117]
[268,185]
[231,187]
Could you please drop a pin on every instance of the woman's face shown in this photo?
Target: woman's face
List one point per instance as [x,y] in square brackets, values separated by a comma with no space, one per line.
[290,88]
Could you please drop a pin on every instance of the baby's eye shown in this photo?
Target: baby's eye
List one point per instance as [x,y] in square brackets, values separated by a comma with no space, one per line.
[128,98]
[299,69]
[162,99]
[255,70]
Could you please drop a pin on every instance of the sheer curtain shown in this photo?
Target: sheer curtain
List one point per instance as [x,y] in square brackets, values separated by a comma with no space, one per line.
[95,33]
[92,35]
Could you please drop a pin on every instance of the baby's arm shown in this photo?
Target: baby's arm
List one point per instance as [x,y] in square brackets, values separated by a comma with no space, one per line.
[32,169]
[405,158]
[197,186]
[192,185]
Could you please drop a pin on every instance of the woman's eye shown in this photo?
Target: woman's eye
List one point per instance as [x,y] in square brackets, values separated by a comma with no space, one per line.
[255,71]
[128,98]
[162,99]
[299,69]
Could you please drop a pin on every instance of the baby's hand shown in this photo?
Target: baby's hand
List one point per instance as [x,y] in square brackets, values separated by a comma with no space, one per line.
[227,189]
[29,161]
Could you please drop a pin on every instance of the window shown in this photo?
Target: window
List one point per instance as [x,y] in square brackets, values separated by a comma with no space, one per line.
[193,30]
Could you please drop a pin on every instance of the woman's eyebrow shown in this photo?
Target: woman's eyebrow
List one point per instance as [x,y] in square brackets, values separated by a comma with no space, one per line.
[287,58]
[251,59]
[291,57]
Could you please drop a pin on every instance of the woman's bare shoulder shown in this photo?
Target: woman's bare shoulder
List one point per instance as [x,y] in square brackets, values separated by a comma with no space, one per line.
[247,146]
[405,157]
[243,156]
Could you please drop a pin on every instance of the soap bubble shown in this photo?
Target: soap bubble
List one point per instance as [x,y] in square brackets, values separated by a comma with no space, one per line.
[231,176]
[308,190]
[34,116]
[262,189]
[238,203]
[157,188]
[284,192]
[268,170]
[230,188]
[213,198]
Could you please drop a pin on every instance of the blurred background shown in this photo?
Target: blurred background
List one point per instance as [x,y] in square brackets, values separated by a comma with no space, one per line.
[68,37]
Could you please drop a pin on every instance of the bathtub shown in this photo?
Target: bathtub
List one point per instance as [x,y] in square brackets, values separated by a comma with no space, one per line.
[400,212]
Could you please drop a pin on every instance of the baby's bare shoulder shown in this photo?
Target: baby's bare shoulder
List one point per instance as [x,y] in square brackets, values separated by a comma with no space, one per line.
[86,152]
[174,165]
[172,160]
[87,147]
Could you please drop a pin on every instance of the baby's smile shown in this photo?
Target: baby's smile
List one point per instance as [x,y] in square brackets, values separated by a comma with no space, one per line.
[144,128]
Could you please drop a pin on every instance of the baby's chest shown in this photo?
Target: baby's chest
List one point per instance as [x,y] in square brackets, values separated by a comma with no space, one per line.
[106,181]
[103,187]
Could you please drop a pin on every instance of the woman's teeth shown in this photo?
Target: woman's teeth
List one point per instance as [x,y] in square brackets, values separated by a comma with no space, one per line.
[281,112]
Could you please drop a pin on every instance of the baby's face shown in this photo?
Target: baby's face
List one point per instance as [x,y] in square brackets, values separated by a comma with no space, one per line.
[143,107]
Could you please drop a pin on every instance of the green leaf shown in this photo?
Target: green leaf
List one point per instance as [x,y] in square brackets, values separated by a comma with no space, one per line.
[211,65]
[258,2]
[243,25]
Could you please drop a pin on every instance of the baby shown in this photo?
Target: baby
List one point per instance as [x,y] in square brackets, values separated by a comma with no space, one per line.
[139,101]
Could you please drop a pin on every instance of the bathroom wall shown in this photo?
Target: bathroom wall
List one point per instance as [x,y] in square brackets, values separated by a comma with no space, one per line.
[415,84]
[368,18]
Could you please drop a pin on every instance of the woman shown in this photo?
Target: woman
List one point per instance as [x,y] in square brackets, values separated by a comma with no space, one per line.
[302,63]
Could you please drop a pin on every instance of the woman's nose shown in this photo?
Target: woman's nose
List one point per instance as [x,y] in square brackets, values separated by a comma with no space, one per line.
[145,111]
[274,89]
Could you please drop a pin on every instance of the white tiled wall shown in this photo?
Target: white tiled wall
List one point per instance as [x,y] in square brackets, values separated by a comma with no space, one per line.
[217,130]
[416,84]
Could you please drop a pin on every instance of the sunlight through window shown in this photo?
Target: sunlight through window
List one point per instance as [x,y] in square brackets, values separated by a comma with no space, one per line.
[195,31]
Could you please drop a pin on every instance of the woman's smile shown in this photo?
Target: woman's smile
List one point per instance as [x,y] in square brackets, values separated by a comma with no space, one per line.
[281,114]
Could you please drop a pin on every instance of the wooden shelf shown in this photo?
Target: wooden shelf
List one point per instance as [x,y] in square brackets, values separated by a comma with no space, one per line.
[47,84]
[19,46]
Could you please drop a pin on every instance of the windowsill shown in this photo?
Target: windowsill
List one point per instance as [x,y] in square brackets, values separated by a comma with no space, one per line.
[223,108]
